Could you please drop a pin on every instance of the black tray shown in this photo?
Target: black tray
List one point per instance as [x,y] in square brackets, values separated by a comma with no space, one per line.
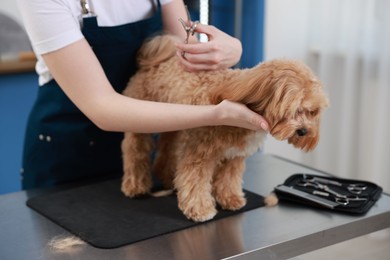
[337,194]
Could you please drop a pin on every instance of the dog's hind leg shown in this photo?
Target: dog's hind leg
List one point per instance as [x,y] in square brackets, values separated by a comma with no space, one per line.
[227,184]
[136,149]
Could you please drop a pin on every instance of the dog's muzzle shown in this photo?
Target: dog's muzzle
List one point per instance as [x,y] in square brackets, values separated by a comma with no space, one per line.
[301,132]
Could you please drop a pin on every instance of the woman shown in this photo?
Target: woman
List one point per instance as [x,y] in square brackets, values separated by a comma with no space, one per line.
[86,54]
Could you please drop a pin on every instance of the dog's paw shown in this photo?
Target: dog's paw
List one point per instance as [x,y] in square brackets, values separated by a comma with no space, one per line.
[132,188]
[199,211]
[231,202]
[200,214]
[271,200]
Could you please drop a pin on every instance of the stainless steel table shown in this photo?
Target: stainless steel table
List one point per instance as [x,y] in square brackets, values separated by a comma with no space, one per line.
[265,233]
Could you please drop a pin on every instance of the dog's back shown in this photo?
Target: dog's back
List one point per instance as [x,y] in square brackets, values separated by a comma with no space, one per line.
[161,78]
[156,51]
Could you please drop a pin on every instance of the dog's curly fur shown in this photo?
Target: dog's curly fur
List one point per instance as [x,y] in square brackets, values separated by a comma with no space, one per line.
[206,164]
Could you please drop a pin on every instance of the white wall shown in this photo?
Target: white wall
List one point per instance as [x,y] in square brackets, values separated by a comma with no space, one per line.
[10,8]
[279,16]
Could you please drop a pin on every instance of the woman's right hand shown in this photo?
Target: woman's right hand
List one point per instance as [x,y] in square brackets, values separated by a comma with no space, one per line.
[220,52]
[236,114]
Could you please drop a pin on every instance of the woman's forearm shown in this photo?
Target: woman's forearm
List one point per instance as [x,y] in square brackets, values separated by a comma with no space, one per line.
[120,113]
[124,114]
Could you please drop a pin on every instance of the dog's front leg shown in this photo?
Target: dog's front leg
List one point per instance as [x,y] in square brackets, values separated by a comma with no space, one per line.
[227,185]
[193,183]
[136,149]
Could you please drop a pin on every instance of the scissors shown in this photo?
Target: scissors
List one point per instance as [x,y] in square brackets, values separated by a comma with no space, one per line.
[342,201]
[355,188]
[328,190]
[189,27]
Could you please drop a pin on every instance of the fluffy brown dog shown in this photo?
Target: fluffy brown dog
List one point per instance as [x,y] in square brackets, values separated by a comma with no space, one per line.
[205,165]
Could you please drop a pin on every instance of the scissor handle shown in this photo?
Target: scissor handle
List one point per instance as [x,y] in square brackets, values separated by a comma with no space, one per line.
[359,186]
[342,201]
[304,183]
[321,180]
[354,190]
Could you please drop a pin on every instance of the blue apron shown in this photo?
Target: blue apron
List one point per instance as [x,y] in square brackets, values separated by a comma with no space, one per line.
[61,144]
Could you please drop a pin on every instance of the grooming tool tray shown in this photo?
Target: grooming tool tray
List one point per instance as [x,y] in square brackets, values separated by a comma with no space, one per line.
[337,194]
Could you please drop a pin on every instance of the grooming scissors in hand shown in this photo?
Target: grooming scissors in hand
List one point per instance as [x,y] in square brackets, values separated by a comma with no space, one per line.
[189,27]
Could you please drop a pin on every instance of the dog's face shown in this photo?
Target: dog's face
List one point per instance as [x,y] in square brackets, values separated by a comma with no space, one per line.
[295,103]
[299,122]
[287,94]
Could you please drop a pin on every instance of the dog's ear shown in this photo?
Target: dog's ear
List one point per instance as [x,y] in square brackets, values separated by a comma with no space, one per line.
[245,86]
[272,88]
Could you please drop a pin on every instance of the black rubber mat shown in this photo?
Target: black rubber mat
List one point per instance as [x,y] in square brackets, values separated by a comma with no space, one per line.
[102,216]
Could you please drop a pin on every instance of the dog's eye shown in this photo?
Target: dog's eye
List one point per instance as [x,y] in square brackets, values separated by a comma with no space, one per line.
[313,112]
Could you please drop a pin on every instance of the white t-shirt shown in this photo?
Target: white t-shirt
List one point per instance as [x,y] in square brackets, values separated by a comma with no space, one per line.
[54,24]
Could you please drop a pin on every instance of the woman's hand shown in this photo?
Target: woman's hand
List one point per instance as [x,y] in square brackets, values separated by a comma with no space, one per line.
[220,52]
[236,114]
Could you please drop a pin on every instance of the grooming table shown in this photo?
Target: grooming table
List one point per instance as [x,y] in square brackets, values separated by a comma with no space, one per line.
[284,231]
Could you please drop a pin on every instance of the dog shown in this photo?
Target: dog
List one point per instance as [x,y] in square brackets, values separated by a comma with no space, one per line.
[205,165]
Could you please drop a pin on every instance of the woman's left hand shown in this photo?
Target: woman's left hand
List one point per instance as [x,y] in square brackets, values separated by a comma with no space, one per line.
[220,52]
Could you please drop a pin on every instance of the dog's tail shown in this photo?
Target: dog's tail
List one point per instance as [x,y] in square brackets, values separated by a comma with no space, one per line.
[156,50]
[271,200]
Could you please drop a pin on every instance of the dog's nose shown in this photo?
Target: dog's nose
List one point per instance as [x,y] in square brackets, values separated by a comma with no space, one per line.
[301,132]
